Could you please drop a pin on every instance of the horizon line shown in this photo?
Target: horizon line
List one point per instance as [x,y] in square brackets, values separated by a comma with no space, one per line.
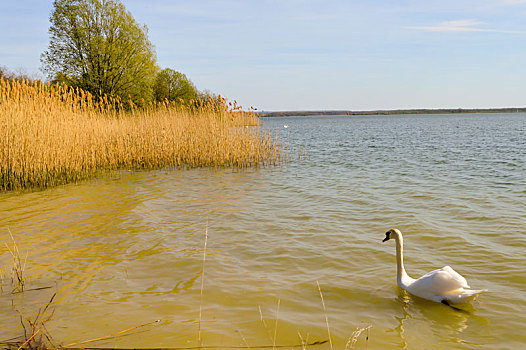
[398,110]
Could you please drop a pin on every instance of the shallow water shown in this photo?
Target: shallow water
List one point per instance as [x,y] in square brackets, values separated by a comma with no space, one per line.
[128,249]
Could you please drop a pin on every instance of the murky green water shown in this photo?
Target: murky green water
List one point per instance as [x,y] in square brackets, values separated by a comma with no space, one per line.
[128,250]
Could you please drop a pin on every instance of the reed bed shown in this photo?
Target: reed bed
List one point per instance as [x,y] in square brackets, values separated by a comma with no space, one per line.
[52,135]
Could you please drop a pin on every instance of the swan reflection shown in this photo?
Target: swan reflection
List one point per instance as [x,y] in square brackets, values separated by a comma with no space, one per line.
[423,316]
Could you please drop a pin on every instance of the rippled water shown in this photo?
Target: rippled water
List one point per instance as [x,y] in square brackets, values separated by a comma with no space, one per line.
[128,249]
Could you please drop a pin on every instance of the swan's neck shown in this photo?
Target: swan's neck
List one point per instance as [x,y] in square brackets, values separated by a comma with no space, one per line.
[401,276]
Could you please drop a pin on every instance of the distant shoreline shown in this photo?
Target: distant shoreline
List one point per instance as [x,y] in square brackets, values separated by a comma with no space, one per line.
[391,112]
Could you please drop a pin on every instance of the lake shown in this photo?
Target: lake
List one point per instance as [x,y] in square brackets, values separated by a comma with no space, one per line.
[127,249]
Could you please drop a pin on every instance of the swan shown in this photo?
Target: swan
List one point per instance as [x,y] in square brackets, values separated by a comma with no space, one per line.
[444,285]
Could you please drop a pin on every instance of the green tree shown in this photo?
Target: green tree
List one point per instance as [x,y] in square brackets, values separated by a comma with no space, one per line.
[172,86]
[98,46]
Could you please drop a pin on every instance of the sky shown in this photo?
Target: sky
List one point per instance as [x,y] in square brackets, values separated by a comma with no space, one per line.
[288,55]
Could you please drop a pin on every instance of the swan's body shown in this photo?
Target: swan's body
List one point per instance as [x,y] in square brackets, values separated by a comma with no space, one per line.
[443,285]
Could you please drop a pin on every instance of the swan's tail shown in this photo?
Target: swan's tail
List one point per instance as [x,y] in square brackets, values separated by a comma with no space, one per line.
[464,295]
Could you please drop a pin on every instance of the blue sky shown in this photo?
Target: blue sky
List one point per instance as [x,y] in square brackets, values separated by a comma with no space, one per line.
[318,55]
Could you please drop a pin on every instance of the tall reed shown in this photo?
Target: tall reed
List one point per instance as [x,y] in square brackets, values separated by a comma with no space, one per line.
[52,135]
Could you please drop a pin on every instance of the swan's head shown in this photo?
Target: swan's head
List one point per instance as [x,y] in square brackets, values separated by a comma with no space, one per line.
[392,233]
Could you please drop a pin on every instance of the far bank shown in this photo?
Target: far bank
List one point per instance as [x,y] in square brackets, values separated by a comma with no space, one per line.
[392,112]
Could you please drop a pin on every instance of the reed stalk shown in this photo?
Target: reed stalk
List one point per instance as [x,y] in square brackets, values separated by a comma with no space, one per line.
[326,317]
[199,339]
[36,336]
[17,268]
[355,335]
[276,325]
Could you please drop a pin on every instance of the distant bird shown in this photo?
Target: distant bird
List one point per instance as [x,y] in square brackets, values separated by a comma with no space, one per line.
[444,285]
[285,126]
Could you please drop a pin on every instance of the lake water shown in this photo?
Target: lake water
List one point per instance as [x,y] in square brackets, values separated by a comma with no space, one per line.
[128,249]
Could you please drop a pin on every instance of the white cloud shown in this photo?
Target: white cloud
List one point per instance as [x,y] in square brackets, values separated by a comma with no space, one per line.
[463,25]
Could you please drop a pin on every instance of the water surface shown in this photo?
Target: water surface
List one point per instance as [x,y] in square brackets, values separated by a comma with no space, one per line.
[128,249]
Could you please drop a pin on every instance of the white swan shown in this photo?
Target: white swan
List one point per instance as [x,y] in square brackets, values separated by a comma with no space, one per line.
[444,285]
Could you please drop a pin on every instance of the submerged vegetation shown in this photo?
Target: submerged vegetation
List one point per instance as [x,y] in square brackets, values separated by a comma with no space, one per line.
[34,333]
[52,135]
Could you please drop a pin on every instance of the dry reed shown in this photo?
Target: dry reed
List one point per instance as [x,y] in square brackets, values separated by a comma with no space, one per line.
[111,336]
[199,340]
[52,135]
[18,267]
[276,325]
[325,313]
[354,337]
[36,336]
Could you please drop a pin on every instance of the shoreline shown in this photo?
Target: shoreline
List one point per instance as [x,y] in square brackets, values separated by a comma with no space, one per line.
[391,112]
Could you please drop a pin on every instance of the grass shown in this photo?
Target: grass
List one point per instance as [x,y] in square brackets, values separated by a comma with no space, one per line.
[355,335]
[17,268]
[52,135]
[325,313]
[36,336]
[199,340]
